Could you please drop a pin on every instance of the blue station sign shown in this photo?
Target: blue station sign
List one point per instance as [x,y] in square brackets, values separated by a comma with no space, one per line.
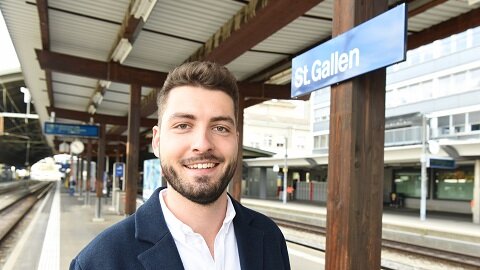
[441,163]
[71,129]
[119,169]
[374,44]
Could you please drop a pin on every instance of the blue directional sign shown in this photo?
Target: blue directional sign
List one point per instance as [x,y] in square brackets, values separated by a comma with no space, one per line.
[441,163]
[71,129]
[119,169]
[371,45]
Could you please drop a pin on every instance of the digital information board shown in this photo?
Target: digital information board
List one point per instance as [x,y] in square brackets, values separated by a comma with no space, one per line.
[64,129]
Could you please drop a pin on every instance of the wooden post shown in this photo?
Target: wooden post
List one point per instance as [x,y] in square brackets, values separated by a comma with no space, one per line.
[100,161]
[355,164]
[132,150]
[89,172]
[236,183]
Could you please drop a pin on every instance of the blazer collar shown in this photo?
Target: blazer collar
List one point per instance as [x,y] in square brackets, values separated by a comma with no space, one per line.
[249,238]
[150,227]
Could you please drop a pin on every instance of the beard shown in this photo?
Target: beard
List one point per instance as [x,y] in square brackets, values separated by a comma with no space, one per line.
[204,190]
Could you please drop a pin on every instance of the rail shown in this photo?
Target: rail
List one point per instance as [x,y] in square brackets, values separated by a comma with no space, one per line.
[428,253]
[15,204]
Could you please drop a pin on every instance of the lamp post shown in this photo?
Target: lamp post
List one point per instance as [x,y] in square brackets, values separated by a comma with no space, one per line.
[423,181]
[285,173]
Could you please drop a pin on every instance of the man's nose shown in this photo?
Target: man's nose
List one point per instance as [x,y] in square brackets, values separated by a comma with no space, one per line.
[202,141]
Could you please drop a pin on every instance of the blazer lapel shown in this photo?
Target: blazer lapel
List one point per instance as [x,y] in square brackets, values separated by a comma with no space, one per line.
[163,255]
[150,227]
[249,240]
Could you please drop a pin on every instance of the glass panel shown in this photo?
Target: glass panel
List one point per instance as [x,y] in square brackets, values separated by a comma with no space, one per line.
[408,184]
[454,185]
[474,117]
[443,121]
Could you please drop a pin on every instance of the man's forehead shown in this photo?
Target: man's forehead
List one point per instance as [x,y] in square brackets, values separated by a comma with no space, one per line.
[180,98]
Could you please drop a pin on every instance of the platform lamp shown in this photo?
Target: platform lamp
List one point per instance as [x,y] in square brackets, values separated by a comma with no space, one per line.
[27,98]
[285,173]
[142,9]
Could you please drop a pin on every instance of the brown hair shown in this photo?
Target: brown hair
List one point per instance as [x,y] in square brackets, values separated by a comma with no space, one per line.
[207,75]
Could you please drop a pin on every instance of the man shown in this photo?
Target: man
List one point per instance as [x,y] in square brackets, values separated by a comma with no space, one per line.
[193,223]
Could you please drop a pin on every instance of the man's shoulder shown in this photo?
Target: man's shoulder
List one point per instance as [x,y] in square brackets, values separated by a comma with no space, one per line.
[114,242]
[123,231]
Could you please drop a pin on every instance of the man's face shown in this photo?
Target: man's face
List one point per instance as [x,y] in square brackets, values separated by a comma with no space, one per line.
[197,142]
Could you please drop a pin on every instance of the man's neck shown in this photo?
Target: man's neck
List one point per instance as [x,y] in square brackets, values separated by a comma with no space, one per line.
[203,219]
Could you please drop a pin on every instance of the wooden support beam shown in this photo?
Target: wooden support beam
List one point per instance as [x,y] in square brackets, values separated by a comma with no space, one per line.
[100,162]
[355,162]
[109,71]
[266,91]
[132,150]
[89,165]
[42,8]
[236,184]
[445,29]
[249,26]
[99,118]
[130,29]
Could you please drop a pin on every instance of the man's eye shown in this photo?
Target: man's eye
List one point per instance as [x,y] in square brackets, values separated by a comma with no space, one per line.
[181,126]
[221,129]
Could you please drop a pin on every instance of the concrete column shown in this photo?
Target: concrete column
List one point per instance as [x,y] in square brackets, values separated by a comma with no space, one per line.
[263,183]
[476,194]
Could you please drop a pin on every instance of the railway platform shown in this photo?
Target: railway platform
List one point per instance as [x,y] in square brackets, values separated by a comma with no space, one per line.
[61,225]
[447,232]
[57,229]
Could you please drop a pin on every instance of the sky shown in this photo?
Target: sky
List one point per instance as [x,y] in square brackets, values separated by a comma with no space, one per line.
[8,57]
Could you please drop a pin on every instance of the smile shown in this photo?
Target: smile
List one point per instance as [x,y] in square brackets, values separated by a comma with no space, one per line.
[201,165]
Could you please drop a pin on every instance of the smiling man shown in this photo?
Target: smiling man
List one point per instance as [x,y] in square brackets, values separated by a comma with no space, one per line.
[192,223]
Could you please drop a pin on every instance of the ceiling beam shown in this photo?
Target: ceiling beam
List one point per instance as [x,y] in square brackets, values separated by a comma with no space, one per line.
[420,6]
[98,118]
[109,71]
[442,30]
[445,29]
[42,8]
[264,91]
[129,30]
[249,26]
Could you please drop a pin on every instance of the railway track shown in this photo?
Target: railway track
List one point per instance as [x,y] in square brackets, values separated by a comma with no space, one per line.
[17,200]
[469,262]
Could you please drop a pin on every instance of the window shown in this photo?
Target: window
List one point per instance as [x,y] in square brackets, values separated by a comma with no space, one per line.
[459,80]
[458,121]
[267,141]
[443,85]
[320,141]
[474,120]
[444,125]
[454,185]
[474,80]
[408,184]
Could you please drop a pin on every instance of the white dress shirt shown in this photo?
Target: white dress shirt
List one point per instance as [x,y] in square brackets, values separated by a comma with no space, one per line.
[192,247]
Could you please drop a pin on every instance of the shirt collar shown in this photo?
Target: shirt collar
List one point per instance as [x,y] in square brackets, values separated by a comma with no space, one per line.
[180,230]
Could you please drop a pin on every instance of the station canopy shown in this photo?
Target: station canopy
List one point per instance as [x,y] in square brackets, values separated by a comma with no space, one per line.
[80,58]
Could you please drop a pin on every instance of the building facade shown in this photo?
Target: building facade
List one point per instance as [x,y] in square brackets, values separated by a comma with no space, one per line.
[432,112]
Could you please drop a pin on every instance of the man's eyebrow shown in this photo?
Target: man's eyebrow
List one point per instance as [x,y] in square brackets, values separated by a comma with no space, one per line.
[182,115]
[223,118]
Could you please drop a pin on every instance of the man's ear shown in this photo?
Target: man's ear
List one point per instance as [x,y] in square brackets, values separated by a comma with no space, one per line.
[156,140]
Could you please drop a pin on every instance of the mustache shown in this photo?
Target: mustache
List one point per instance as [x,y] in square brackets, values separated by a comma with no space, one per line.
[209,157]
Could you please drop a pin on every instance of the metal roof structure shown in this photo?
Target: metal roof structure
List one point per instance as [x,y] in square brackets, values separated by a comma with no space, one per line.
[80,58]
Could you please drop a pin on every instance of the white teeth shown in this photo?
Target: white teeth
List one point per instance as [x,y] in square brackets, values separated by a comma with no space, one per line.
[201,166]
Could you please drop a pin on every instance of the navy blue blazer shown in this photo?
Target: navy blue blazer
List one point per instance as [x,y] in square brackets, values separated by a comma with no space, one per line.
[143,241]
